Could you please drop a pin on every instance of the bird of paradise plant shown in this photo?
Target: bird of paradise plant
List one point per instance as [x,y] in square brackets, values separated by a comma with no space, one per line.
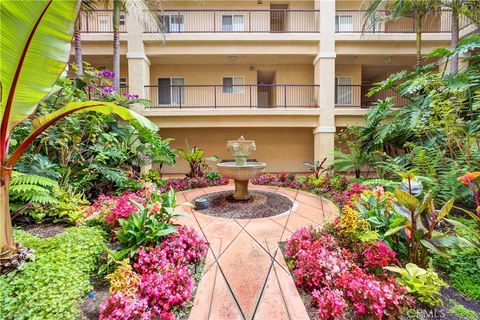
[35,37]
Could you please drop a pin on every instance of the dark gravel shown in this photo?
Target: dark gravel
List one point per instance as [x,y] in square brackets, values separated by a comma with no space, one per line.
[261,204]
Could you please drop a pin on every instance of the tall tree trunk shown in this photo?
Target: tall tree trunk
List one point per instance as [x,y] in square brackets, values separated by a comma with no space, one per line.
[78,47]
[418,45]
[116,45]
[454,43]
[6,235]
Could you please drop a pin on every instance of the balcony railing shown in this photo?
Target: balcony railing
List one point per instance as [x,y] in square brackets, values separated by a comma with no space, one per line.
[239,21]
[353,21]
[100,21]
[355,96]
[242,96]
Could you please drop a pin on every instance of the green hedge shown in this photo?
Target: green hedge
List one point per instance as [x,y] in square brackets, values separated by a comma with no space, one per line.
[52,285]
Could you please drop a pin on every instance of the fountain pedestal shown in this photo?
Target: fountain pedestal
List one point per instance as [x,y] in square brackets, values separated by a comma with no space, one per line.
[241,190]
[241,171]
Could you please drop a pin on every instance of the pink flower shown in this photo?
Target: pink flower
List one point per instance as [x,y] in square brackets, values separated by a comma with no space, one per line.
[156,207]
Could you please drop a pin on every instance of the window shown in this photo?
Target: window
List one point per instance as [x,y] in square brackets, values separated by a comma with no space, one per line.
[103,21]
[343,23]
[343,90]
[172,23]
[232,23]
[171,91]
[233,84]
[122,19]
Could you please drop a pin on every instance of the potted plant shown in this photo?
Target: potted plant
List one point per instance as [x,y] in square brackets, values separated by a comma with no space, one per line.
[313,102]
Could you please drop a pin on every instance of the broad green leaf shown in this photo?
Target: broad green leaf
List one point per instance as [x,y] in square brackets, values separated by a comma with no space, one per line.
[438,250]
[393,231]
[415,270]
[97,106]
[406,199]
[447,207]
[35,37]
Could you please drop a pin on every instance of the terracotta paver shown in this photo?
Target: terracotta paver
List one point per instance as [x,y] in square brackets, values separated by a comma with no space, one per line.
[245,275]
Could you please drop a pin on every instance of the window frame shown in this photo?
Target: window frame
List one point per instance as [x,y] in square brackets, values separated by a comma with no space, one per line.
[240,28]
[235,88]
[171,102]
[347,93]
[337,22]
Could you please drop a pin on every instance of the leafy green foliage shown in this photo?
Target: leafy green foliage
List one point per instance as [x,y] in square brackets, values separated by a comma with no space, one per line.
[32,188]
[423,284]
[90,152]
[147,227]
[437,134]
[197,163]
[462,312]
[50,287]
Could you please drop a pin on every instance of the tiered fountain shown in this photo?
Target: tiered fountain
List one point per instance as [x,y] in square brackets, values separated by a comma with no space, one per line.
[241,171]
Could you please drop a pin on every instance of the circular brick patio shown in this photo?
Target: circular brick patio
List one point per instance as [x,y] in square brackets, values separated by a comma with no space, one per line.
[245,275]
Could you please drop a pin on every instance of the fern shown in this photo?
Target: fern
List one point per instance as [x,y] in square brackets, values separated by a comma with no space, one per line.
[32,188]
[389,184]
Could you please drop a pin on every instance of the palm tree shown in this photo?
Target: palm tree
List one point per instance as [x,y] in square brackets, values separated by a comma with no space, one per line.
[415,9]
[43,32]
[145,12]
[86,7]
[467,8]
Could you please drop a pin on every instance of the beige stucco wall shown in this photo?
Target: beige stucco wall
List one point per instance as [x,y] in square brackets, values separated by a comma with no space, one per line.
[283,149]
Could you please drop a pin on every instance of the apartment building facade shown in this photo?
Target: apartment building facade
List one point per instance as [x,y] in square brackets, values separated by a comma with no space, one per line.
[288,74]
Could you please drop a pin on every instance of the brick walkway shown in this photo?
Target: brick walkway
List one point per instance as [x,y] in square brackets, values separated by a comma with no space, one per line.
[245,275]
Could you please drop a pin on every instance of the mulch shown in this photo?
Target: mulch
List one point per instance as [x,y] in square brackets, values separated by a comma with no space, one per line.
[261,204]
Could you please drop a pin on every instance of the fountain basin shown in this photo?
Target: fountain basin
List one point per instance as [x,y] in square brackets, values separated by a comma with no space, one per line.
[240,175]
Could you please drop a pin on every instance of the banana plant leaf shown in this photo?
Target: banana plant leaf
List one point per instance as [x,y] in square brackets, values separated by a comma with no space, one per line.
[35,37]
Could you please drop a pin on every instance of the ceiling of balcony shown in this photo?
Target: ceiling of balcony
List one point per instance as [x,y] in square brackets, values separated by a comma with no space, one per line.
[232,59]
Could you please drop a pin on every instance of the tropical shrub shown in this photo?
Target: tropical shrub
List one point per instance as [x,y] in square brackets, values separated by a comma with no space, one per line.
[423,284]
[196,161]
[51,286]
[148,225]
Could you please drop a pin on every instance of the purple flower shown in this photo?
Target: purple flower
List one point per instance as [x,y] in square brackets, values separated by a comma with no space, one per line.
[130,95]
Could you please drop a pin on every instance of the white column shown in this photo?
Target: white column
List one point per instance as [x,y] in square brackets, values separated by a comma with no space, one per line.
[138,62]
[324,75]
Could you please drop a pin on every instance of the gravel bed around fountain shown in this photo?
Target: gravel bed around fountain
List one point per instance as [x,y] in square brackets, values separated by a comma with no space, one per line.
[261,204]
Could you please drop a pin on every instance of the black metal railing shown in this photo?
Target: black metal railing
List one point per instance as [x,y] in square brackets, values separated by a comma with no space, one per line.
[100,21]
[238,21]
[355,96]
[99,91]
[244,96]
[353,21]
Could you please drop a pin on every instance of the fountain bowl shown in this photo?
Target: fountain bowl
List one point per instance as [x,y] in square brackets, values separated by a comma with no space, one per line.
[241,174]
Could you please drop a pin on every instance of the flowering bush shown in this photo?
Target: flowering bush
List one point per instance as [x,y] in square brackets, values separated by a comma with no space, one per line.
[371,297]
[379,255]
[123,207]
[183,248]
[339,285]
[163,280]
[347,197]
[331,303]
[193,183]
[281,180]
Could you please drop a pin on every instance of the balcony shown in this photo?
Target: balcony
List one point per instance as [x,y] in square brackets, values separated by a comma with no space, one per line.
[239,21]
[352,21]
[239,96]
[355,96]
[100,21]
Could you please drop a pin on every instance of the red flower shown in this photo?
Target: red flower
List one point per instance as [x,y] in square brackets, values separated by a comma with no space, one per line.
[469,177]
